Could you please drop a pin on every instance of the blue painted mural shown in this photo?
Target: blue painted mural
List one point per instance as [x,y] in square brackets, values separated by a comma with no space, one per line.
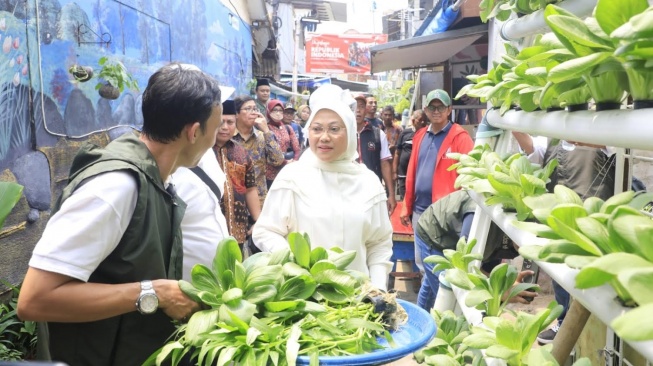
[41,102]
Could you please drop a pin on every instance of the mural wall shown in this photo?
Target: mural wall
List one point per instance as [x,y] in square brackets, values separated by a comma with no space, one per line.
[45,113]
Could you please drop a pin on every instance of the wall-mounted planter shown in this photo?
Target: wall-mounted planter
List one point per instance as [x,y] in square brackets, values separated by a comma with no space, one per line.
[109,91]
[81,73]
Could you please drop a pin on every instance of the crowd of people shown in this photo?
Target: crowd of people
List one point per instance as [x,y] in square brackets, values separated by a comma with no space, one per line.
[137,214]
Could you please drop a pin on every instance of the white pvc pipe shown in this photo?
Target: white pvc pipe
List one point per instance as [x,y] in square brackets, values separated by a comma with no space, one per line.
[601,301]
[517,28]
[618,128]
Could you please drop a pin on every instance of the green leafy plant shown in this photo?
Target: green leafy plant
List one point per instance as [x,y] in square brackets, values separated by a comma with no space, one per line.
[116,74]
[512,339]
[17,338]
[502,181]
[635,50]
[488,293]
[594,49]
[273,307]
[447,347]
[9,195]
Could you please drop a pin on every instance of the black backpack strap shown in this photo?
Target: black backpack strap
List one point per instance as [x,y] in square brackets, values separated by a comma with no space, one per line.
[208,181]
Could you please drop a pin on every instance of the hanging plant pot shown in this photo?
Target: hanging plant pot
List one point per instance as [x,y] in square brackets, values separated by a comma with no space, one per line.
[109,91]
[81,73]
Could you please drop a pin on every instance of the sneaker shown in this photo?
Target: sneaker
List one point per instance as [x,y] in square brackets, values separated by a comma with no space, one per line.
[547,336]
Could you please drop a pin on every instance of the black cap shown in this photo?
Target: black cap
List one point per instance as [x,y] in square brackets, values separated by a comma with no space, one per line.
[261,82]
[289,106]
[228,107]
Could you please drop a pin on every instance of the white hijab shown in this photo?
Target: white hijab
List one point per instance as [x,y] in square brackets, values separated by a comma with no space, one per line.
[304,177]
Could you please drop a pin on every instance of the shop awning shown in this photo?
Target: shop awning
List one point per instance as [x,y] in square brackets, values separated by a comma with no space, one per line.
[425,50]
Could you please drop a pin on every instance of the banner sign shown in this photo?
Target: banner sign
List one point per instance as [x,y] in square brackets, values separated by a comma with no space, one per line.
[341,54]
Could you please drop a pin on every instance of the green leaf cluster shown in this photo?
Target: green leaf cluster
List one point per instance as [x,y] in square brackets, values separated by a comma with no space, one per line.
[273,307]
[609,241]
[17,338]
[512,339]
[447,348]
[502,180]
[501,9]
[116,74]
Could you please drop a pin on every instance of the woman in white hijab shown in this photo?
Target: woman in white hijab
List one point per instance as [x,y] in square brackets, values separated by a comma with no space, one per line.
[326,194]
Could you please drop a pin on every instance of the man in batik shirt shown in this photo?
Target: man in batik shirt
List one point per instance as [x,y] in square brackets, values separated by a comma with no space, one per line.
[240,194]
[253,133]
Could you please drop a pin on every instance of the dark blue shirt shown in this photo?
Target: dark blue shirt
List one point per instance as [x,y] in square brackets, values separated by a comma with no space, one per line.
[426,160]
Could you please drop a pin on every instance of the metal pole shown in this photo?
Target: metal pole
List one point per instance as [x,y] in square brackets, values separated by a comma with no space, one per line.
[298,27]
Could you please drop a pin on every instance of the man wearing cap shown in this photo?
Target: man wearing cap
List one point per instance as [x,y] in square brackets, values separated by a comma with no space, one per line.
[289,119]
[373,150]
[262,94]
[240,197]
[428,178]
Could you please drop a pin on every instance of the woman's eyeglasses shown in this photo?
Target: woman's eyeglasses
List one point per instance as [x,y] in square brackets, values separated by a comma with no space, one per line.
[276,111]
[249,109]
[332,131]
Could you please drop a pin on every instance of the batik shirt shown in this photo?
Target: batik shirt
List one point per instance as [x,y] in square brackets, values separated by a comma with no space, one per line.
[393,136]
[237,165]
[287,142]
[264,150]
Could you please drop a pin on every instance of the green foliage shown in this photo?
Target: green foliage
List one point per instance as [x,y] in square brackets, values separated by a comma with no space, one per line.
[17,338]
[447,347]
[116,74]
[273,307]
[9,195]
[502,180]
[512,339]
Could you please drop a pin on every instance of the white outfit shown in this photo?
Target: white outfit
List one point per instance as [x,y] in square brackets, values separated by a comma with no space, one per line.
[338,204]
[385,149]
[204,224]
[75,246]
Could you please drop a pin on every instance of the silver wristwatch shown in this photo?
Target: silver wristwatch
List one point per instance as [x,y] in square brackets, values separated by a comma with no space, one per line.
[147,302]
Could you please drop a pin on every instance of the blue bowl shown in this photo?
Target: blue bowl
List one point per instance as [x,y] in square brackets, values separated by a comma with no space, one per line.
[410,337]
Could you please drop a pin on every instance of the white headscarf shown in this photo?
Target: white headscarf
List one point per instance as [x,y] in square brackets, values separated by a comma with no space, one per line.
[352,174]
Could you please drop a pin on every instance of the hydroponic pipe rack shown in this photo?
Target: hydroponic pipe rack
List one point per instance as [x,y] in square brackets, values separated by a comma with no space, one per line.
[600,301]
[619,128]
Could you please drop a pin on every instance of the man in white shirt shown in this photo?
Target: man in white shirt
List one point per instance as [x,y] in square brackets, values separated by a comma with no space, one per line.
[204,224]
[104,275]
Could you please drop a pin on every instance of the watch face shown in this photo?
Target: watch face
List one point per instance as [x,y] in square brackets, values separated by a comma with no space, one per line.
[149,303]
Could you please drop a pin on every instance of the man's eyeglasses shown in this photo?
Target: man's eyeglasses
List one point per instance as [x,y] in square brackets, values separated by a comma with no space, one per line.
[439,108]
[332,131]
[250,109]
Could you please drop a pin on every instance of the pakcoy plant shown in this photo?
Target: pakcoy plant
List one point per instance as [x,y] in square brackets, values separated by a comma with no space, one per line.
[447,347]
[274,307]
[512,339]
[594,49]
[635,50]
[9,195]
[487,293]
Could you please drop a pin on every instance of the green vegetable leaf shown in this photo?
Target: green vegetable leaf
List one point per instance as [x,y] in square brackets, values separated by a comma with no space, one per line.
[204,280]
[322,265]
[607,267]
[227,253]
[201,322]
[631,327]
[300,249]
[297,288]
[259,294]
[612,14]
[343,259]
[9,195]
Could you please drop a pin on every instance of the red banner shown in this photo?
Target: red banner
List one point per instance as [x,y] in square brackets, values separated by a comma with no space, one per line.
[341,54]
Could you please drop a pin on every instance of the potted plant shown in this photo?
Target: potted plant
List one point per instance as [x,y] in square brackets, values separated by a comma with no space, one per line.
[116,78]
[81,73]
